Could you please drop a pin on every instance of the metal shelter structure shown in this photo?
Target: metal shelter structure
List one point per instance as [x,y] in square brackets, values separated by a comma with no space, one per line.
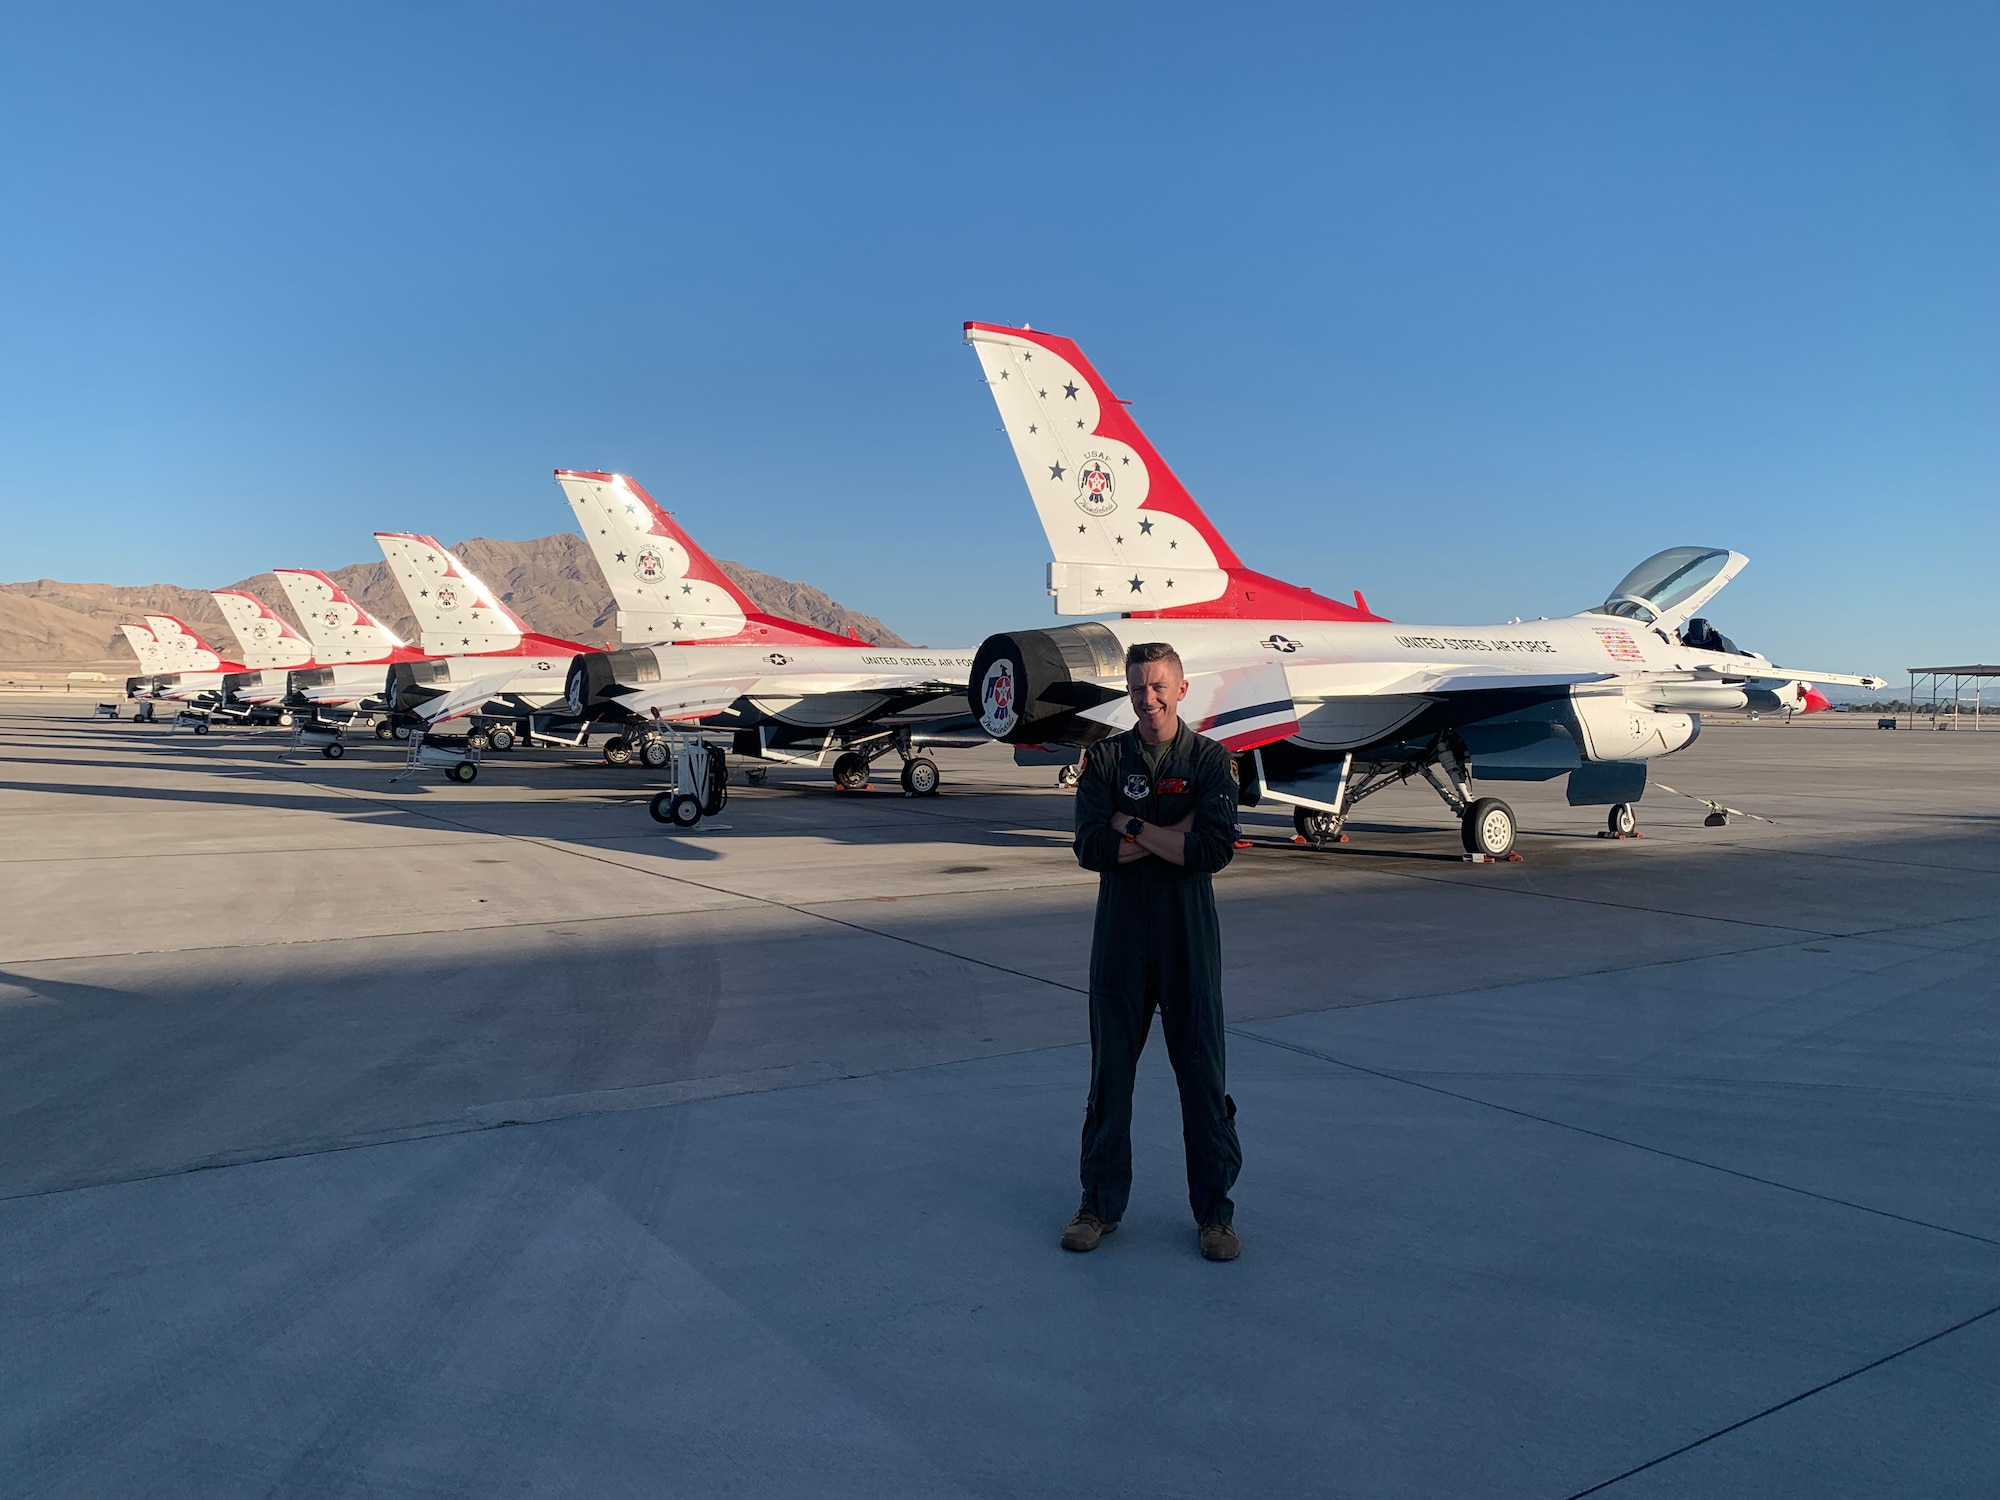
[1946,710]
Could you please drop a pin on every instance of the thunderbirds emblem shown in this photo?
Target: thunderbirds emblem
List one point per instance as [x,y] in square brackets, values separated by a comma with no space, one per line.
[996,698]
[1094,486]
[446,598]
[651,567]
[260,631]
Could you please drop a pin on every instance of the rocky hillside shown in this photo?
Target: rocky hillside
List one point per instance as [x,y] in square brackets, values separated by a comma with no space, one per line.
[552,582]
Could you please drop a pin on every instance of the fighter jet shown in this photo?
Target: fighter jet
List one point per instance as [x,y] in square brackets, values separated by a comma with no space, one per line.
[1328,703]
[186,668]
[271,649]
[480,660]
[353,652]
[785,691]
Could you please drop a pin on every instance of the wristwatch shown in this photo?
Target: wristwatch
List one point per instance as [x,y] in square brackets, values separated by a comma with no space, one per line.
[1132,827]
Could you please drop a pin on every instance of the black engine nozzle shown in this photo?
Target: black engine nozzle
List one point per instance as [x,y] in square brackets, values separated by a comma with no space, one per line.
[1029,687]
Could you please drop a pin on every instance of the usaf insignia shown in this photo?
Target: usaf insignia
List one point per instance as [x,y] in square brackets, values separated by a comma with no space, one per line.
[1135,787]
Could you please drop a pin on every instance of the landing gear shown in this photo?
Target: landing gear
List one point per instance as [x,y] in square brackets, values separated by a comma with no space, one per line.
[920,776]
[850,772]
[1488,829]
[655,753]
[401,731]
[1317,828]
[384,730]
[617,752]
[500,737]
[1623,822]
[1068,777]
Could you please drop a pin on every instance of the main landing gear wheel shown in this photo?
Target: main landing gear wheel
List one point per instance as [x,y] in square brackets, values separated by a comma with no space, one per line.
[385,730]
[617,752]
[1488,828]
[920,776]
[1623,822]
[677,808]
[850,772]
[401,731]
[333,751]
[655,754]
[500,737]
[1316,827]
[1068,777]
[465,770]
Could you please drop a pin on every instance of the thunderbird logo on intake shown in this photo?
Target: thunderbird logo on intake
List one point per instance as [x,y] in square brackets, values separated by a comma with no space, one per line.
[1094,486]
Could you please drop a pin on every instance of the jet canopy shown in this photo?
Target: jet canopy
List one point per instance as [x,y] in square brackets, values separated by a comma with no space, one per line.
[1670,586]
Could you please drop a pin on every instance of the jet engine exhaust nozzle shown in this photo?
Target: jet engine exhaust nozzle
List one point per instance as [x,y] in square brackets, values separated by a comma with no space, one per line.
[1028,687]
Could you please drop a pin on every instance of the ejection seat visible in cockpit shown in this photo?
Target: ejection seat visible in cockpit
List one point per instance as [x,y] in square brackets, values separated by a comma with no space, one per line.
[1703,636]
[1665,590]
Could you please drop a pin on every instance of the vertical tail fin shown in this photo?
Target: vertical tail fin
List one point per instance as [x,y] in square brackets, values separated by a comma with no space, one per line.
[456,613]
[145,646]
[269,643]
[184,650]
[1125,533]
[341,630]
[666,587]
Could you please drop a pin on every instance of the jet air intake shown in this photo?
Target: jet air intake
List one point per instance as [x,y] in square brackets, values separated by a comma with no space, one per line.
[1028,687]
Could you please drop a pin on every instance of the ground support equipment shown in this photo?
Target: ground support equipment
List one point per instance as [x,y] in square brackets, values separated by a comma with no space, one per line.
[191,718]
[457,758]
[699,787]
[329,739]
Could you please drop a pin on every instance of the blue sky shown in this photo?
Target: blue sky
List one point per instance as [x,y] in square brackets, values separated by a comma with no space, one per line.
[1468,306]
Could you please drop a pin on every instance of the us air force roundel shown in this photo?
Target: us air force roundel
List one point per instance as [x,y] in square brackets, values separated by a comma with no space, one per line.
[1136,788]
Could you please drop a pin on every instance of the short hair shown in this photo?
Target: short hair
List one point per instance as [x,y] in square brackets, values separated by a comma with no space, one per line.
[1145,651]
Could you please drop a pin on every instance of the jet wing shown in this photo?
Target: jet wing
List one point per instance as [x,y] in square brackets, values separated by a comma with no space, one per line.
[1241,707]
[1822,679]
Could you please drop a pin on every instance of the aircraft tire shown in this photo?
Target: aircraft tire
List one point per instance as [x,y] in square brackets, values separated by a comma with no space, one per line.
[617,752]
[284,721]
[333,750]
[384,730]
[654,754]
[1488,828]
[1313,826]
[920,776]
[1623,822]
[465,771]
[500,737]
[850,772]
[401,731]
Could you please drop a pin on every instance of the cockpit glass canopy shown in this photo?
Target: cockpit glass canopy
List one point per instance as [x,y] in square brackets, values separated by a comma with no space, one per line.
[1664,580]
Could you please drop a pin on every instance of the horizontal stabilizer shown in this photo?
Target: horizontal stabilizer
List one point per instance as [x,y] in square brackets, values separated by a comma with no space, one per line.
[467,698]
[687,700]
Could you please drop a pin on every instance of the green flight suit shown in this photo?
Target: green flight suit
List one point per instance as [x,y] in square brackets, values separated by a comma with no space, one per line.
[1157,943]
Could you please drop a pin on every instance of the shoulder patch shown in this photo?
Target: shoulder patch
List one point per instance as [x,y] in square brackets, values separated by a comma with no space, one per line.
[1136,787]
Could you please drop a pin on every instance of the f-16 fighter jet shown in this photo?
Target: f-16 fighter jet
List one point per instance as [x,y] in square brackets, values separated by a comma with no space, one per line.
[353,652]
[786,691]
[1326,702]
[271,649]
[188,669]
[479,659]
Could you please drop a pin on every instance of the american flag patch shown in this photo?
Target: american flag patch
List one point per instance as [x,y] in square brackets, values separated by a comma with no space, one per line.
[1619,643]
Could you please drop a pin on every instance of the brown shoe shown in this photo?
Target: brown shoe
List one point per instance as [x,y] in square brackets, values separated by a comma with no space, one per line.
[1084,1231]
[1219,1242]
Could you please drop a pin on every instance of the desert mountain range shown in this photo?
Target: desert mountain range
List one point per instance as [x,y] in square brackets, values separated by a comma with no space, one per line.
[552,582]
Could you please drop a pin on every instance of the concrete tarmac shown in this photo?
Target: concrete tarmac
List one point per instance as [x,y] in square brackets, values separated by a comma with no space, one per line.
[368,1139]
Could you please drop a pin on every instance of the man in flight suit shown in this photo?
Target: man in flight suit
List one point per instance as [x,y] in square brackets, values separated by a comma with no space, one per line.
[1156,817]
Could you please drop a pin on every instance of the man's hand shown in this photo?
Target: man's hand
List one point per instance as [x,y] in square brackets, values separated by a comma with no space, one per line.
[1166,842]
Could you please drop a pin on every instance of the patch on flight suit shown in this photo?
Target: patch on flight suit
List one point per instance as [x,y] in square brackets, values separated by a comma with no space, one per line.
[1173,784]
[1135,787]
